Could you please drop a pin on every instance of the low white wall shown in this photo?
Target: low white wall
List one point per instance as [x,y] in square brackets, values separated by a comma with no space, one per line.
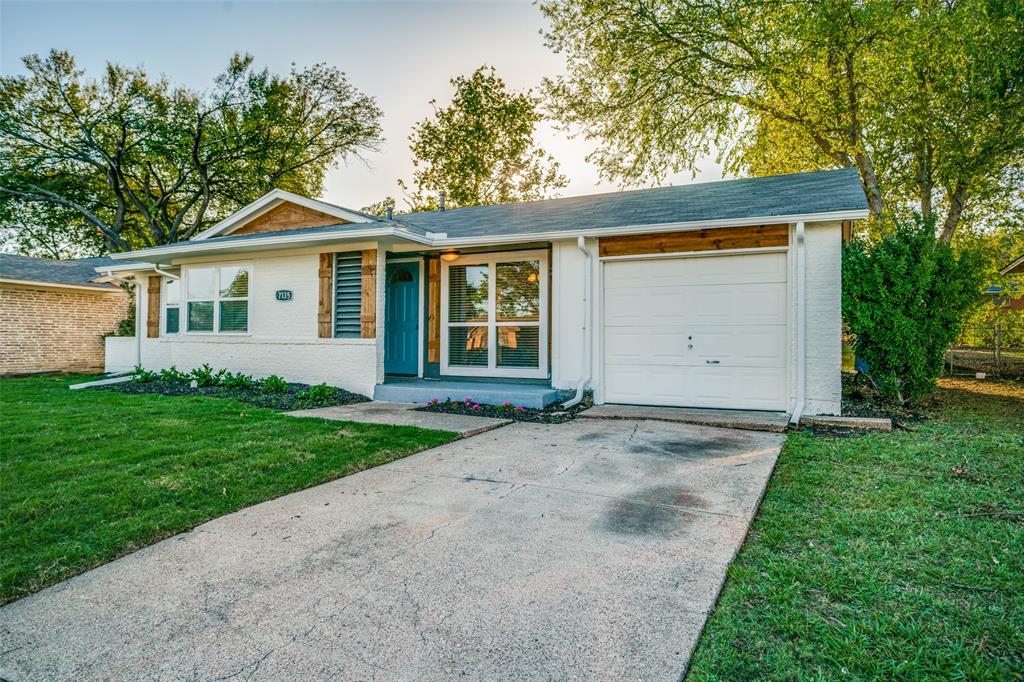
[119,353]
[348,363]
[282,336]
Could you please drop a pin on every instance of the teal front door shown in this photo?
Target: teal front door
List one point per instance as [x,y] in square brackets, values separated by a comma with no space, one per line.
[402,318]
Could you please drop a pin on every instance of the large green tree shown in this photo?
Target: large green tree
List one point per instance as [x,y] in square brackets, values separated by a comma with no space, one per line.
[480,148]
[139,162]
[924,97]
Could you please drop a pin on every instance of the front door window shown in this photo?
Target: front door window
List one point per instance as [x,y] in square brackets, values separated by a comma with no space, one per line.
[495,315]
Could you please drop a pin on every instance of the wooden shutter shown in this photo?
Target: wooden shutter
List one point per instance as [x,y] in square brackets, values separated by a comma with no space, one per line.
[368,307]
[326,288]
[153,308]
[434,310]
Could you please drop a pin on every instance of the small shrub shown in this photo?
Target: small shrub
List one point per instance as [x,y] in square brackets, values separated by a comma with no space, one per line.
[205,376]
[237,380]
[140,375]
[172,373]
[274,384]
[318,394]
[905,298]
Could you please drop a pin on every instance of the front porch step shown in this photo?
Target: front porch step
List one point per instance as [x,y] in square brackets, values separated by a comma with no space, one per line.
[422,391]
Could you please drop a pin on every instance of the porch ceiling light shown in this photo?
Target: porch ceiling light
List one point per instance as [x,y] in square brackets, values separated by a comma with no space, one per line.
[450,256]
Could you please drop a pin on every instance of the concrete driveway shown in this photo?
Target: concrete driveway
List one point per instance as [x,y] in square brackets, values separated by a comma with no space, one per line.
[593,549]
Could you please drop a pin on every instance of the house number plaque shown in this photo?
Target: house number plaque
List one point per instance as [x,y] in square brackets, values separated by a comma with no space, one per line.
[283,294]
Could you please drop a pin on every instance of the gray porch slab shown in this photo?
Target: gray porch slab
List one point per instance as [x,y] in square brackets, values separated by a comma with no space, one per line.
[750,420]
[423,391]
[404,414]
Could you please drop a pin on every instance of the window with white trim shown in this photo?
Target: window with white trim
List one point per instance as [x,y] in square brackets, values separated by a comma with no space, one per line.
[494,315]
[217,299]
[172,305]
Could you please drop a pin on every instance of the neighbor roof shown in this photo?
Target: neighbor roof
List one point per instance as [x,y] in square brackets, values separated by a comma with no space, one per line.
[77,272]
[1014,267]
[780,195]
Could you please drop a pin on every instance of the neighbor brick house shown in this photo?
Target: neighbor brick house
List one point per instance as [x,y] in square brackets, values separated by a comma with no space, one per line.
[53,314]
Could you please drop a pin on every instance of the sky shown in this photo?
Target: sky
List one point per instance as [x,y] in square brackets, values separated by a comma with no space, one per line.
[401,53]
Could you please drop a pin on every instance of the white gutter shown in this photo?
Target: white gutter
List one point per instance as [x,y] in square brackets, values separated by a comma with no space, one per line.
[801,324]
[588,284]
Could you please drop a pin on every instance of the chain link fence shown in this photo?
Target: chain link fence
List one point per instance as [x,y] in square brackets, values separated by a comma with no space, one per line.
[992,344]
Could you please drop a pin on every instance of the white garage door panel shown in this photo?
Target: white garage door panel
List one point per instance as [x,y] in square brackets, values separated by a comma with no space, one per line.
[762,346]
[706,332]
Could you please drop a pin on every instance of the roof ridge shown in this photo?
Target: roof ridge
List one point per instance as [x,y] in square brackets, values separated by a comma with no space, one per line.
[635,190]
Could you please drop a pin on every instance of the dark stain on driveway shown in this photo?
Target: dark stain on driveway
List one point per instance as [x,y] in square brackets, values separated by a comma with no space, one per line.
[655,510]
[696,447]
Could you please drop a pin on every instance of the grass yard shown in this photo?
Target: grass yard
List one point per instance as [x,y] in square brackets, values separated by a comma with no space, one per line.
[897,556]
[88,476]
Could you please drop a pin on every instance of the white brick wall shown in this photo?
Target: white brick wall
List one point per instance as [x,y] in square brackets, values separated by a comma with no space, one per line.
[283,334]
[824,318]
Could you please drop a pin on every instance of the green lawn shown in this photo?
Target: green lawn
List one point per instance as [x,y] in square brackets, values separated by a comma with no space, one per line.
[885,556]
[87,476]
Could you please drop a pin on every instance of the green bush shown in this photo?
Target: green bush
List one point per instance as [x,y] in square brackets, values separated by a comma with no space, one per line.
[236,380]
[205,376]
[141,375]
[274,384]
[174,374]
[317,394]
[905,298]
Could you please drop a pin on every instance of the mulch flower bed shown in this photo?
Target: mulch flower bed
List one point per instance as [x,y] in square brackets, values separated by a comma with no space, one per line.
[291,398]
[861,400]
[552,414]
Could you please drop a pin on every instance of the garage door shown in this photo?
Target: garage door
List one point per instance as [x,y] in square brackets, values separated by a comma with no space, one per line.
[702,332]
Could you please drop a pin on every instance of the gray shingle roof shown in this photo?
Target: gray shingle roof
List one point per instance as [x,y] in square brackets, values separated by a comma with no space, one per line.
[79,271]
[796,194]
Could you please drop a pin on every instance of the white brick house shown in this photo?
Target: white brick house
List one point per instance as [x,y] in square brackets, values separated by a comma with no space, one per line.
[722,295]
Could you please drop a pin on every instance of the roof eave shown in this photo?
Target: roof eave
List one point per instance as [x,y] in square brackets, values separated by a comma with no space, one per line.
[97,288]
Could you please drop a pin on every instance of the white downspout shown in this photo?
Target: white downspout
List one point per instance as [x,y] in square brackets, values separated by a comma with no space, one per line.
[587,345]
[138,324]
[138,313]
[801,326]
[165,274]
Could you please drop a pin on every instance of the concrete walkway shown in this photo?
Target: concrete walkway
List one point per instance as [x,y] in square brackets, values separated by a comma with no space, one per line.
[589,550]
[404,414]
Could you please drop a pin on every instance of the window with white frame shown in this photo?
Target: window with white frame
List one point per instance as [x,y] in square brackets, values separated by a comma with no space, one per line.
[494,312]
[172,305]
[217,299]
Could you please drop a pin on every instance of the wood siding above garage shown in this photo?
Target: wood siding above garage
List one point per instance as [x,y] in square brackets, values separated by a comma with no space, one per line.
[288,217]
[711,239]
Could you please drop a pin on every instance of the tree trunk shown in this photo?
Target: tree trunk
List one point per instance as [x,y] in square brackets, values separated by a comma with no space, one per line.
[869,181]
[924,180]
[957,200]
